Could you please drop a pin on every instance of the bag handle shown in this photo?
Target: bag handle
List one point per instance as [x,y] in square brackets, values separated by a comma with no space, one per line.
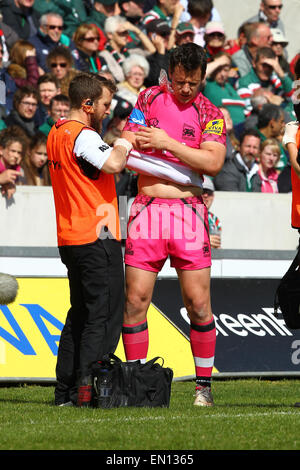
[150,363]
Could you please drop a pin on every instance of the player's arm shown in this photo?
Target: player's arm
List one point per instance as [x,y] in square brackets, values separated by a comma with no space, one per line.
[98,153]
[208,159]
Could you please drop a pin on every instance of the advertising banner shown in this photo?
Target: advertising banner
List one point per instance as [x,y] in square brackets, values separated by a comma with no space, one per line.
[250,340]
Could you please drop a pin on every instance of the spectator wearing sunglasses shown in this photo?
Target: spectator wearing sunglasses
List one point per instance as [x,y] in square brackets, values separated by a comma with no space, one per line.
[61,63]
[86,39]
[117,30]
[269,12]
[214,38]
[49,35]
[21,17]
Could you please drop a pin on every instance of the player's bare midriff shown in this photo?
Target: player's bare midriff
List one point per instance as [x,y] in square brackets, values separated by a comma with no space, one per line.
[157,187]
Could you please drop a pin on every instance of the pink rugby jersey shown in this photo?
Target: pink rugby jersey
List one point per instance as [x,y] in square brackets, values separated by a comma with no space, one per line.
[191,124]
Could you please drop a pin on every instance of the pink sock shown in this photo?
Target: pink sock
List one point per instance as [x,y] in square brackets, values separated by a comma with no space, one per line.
[136,341]
[203,344]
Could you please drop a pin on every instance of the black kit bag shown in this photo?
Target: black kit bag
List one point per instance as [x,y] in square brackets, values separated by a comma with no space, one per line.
[119,384]
[287,296]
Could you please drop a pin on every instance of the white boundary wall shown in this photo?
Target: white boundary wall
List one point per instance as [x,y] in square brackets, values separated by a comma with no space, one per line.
[250,221]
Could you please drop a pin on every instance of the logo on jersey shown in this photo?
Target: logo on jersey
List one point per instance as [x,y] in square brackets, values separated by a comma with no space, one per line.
[188,132]
[137,117]
[214,127]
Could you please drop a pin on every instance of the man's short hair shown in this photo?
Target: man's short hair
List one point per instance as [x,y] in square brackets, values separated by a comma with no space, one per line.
[88,86]
[190,56]
[199,8]
[46,78]
[249,132]
[22,92]
[268,112]
[59,99]
[264,52]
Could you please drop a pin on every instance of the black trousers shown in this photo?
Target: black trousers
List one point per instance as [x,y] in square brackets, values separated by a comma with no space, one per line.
[94,321]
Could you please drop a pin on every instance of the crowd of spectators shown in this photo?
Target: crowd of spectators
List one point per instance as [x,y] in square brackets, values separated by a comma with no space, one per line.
[45,43]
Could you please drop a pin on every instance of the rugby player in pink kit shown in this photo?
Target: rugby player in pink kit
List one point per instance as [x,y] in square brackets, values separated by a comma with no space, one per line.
[177,135]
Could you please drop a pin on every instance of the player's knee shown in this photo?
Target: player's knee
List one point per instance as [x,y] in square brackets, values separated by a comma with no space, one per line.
[199,310]
[136,304]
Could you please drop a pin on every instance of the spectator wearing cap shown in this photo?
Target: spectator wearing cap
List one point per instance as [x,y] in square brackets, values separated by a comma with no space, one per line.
[48,36]
[21,17]
[136,69]
[159,33]
[117,30]
[257,35]
[269,13]
[215,228]
[214,38]
[279,42]
[184,33]
[103,9]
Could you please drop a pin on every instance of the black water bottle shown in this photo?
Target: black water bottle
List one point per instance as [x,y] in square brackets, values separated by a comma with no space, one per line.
[105,389]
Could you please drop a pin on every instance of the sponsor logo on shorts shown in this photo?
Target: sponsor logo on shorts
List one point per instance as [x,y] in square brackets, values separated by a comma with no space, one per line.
[214,127]
[206,250]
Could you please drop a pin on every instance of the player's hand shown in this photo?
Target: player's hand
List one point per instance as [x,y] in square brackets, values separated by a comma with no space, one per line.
[9,176]
[151,137]
[291,129]
[215,241]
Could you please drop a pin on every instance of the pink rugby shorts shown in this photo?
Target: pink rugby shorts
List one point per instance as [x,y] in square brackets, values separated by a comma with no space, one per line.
[158,228]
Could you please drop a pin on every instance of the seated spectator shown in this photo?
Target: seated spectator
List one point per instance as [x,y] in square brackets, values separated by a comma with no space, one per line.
[22,71]
[221,93]
[74,12]
[132,11]
[200,14]
[102,9]
[48,86]
[215,228]
[184,33]
[159,33]
[34,164]
[232,141]
[270,125]
[136,69]
[59,107]
[117,29]
[60,62]
[279,43]
[25,103]
[86,39]
[235,45]
[258,35]
[21,17]
[12,150]
[214,38]
[265,180]
[162,10]
[48,37]
[269,13]
[237,172]
[267,73]
[114,128]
